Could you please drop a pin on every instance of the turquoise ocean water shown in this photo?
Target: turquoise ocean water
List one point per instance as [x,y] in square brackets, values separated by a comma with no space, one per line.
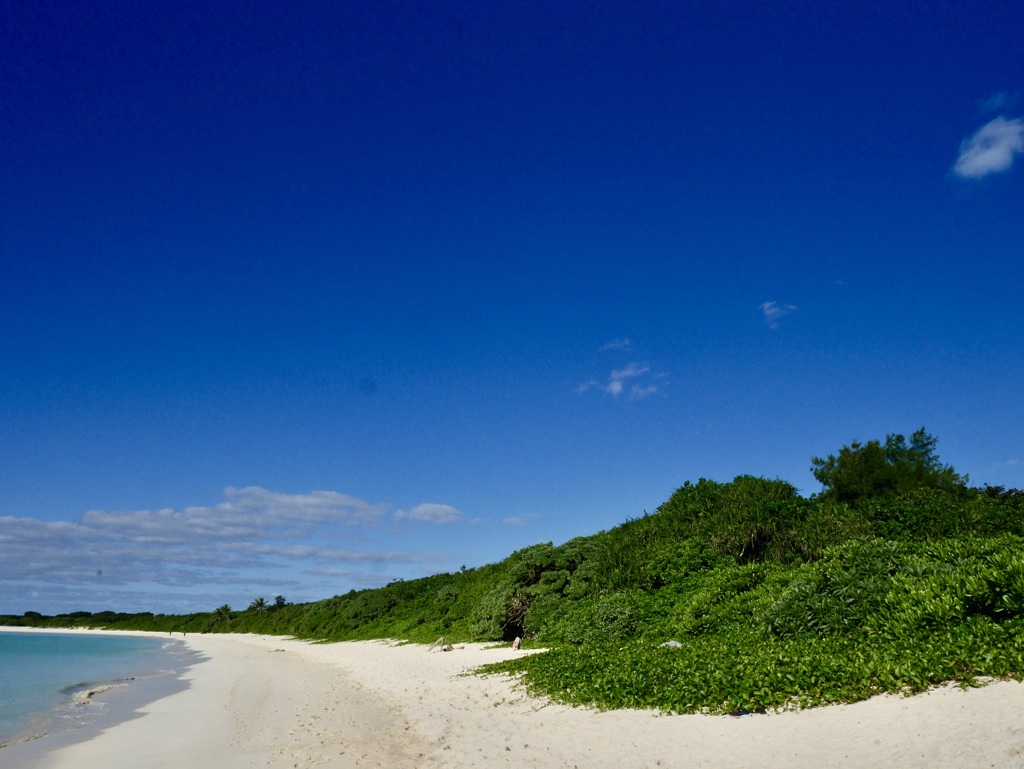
[53,683]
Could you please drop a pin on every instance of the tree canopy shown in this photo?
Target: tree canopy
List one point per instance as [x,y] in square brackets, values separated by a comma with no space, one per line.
[873,469]
[259,605]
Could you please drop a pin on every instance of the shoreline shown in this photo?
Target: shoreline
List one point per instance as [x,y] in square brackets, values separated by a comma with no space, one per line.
[91,706]
[282,703]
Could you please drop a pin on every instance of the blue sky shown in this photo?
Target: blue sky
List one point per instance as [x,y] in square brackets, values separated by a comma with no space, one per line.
[304,298]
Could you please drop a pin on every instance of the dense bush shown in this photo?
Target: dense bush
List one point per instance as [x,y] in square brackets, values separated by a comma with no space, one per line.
[754,519]
[870,617]
[932,514]
[873,469]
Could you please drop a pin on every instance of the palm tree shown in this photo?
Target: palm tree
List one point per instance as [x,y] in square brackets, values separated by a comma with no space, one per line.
[260,605]
[222,614]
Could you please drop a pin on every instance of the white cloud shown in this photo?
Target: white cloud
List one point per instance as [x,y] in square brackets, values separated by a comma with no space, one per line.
[244,513]
[253,537]
[991,150]
[430,513]
[773,312]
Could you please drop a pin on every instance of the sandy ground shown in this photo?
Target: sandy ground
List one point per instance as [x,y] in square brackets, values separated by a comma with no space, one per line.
[271,702]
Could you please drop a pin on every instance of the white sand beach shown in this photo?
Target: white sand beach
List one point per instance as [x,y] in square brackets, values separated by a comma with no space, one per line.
[272,702]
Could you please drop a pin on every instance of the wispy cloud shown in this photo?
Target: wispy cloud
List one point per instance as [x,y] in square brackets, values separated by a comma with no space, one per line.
[998,101]
[992,149]
[1009,464]
[519,520]
[632,381]
[244,514]
[619,377]
[618,344]
[773,312]
[253,537]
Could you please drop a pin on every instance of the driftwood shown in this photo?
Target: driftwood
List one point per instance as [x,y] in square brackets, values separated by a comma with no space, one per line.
[442,644]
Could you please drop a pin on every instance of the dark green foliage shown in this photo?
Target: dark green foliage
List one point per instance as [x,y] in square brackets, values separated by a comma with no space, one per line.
[754,519]
[933,514]
[259,605]
[1001,492]
[606,619]
[871,470]
[222,614]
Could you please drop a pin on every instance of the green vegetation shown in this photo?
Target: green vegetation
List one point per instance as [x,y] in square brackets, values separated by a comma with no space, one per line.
[259,605]
[896,578]
[877,470]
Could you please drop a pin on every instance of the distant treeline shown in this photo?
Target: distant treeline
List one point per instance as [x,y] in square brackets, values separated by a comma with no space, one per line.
[769,599]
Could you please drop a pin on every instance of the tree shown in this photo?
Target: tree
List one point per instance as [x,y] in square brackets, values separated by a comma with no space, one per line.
[259,605]
[279,601]
[222,614]
[873,469]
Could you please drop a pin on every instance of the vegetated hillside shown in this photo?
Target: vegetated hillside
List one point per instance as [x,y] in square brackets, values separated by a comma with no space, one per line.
[771,600]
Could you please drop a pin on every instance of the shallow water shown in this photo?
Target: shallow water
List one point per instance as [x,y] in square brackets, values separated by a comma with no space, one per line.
[59,683]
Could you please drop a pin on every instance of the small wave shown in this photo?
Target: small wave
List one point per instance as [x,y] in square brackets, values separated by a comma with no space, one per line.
[84,696]
[84,691]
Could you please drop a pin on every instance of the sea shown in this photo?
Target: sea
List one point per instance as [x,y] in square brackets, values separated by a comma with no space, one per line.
[57,688]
